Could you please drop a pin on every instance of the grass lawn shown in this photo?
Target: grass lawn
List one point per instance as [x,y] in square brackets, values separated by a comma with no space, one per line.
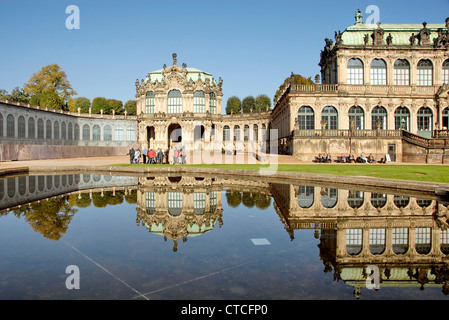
[428,173]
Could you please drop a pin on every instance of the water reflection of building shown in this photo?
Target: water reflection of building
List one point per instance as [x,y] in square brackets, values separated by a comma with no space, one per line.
[405,237]
[178,207]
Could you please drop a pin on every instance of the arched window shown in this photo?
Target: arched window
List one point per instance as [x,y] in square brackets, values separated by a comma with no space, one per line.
[40,128]
[130,133]
[423,240]
[63,131]
[31,128]
[354,241]
[425,73]
[356,118]
[445,119]
[330,115]
[118,133]
[76,132]
[56,130]
[306,118]
[401,73]
[379,118]
[150,102]
[70,131]
[400,240]
[329,197]
[226,133]
[378,72]
[174,102]
[21,127]
[255,132]
[10,126]
[306,196]
[150,201]
[48,129]
[96,133]
[378,200]
[377,240]
[355,72]
[174,203]
[425,121]
[446,72]
[236,133]
[402,118]
[199,203]
[1,125]
[355,199]
[246,132]
[212,103]
[199,105]
[107,133]
[86,132]
[401,201]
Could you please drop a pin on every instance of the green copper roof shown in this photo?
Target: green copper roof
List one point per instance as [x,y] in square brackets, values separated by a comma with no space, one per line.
[401,33]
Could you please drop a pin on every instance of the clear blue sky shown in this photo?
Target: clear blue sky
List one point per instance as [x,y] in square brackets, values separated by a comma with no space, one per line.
[252,45]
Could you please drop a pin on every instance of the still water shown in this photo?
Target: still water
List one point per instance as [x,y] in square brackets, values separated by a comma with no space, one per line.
[83,236]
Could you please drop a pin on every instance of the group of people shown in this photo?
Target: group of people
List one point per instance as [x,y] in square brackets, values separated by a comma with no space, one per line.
[159,156]
[322,158]
[361,159]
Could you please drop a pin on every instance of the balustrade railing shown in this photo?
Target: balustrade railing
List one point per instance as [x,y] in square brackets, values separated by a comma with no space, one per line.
[348,133]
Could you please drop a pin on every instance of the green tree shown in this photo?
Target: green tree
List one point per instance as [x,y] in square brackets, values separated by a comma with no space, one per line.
[263,103]
[17,94]
[51,99]
[131,107]
[297,79]
[115,105]
[248,104]
[50,79]
[82,103]
[233,104]
[100,103]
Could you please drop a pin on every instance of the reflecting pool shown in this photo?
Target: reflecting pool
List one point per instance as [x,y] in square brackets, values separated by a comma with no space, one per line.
[89,236]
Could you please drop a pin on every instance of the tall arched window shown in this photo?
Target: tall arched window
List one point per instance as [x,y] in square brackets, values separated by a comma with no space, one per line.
[174,203]
[236,133]
[306,118]
[425,73]
[118,133]
[445,119]
[378,72]
[86,132]
[425,122]
[150,102]
[401,73]
[31,128]
[40,128]
[63,131]
[212,103]
[1,125]
[246,132]
[70,131]
[329,197]
[356,116]
[355,72]
[226,133]
[255,132]
[76,132]
[306,196]
[107,133]
[402,118]
[56,130]
[330,115]
[174,102]
[96,133]
[48,129]
[199,104]
[10,126]
[446,72]
[379,118]
[21,127]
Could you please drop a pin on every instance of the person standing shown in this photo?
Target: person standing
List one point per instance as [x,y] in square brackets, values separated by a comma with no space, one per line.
[137,156]
[144,155]
[131,155]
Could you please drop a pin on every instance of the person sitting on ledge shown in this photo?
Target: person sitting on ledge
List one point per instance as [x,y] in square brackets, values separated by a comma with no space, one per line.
[371,158]
[328,159]
[363,158]
[351,158]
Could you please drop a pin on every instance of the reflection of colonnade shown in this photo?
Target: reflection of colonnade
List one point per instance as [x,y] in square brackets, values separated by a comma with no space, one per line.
[407,238]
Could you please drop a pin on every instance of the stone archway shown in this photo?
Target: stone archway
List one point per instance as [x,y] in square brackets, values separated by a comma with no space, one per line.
[151,136]
[174,134]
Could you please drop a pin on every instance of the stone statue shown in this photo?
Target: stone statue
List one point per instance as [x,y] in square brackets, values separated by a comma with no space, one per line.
[175,60]
[389,39]
[358,17]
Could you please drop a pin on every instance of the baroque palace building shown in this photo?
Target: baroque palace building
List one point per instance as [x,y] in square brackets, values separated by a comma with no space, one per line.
[383,90]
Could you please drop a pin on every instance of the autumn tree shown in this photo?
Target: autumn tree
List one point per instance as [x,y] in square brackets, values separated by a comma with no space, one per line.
[131,107]
[296,79]
[50,86]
